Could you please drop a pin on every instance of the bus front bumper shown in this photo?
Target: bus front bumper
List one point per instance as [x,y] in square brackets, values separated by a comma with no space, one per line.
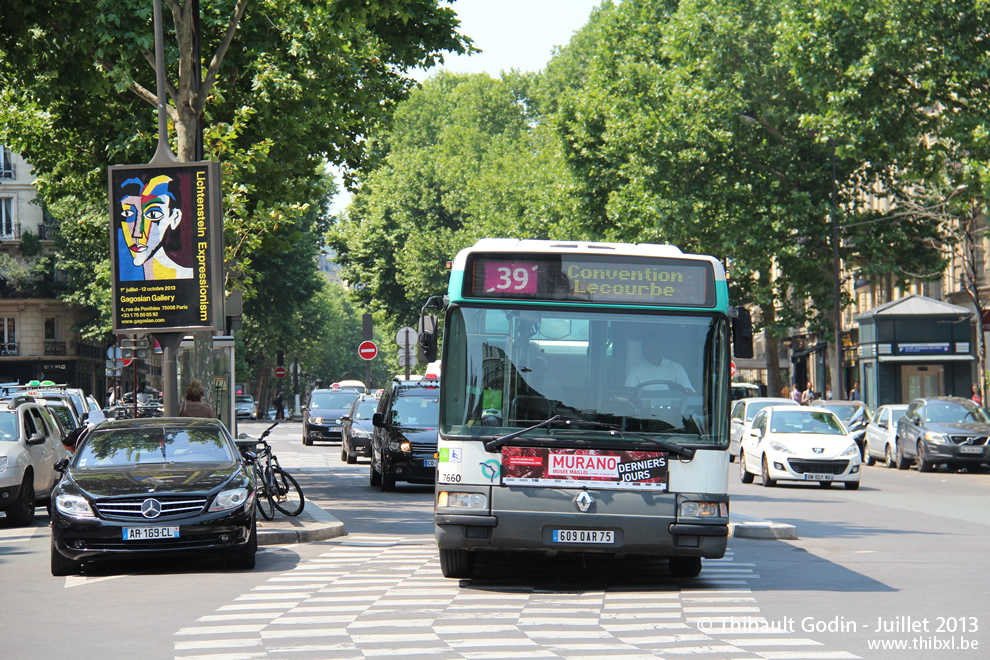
[660,536]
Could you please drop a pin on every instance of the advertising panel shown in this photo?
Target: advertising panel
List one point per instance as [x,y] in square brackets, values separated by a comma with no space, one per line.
[166,244]
[578,468]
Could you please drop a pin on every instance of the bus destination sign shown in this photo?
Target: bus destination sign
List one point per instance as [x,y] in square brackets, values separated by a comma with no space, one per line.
[631,280]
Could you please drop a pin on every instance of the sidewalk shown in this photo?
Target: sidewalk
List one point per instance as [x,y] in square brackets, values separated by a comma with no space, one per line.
[313,524]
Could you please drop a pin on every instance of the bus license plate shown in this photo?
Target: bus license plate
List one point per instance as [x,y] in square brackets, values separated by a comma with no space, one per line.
[583,536]
[818,477]
[429,462]
[970,450]
[150,533]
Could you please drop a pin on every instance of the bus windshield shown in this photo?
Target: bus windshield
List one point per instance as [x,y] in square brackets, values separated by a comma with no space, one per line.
[645,373]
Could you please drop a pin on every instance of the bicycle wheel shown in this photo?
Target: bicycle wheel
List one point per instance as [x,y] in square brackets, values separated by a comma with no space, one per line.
[262,491]
[287,496]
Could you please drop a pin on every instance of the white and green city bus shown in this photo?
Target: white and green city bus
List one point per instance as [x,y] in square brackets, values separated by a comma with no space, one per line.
[584,402]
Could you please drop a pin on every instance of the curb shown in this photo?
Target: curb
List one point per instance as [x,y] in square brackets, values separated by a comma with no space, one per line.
[313,524]
[747,527]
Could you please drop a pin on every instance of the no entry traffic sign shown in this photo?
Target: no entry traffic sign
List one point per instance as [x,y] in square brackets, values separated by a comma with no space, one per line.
[280,372]
[367,350]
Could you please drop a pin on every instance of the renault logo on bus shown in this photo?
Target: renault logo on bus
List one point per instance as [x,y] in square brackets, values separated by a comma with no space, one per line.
[584,501]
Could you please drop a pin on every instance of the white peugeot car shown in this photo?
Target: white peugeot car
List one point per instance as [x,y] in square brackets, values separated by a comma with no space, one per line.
[741,418]
[799,443]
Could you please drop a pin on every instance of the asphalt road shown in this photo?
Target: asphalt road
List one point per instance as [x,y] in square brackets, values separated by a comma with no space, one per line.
[906,553]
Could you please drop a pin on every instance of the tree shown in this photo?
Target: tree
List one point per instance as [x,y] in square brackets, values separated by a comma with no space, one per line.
[690,127]
[287,87]
[465,158]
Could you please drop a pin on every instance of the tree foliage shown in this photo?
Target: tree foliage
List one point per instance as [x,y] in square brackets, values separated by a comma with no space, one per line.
[286,87]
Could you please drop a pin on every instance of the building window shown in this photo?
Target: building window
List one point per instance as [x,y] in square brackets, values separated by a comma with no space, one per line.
[8,337]
[6,217]
[6,163]
[50,329]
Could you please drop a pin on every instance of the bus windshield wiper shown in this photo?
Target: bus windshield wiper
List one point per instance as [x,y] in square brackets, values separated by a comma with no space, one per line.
[501,441]
[498,443]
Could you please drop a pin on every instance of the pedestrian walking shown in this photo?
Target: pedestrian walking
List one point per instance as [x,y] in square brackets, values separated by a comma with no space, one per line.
[976,395]
[854,392]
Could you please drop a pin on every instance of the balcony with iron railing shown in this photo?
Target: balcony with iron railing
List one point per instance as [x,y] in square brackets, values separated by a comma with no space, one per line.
[8,348]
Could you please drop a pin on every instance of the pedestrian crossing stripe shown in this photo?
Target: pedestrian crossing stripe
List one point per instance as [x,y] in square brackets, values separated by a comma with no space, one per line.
[373,596]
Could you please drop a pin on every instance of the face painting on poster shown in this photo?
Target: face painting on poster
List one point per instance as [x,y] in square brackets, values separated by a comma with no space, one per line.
[164,245]
[601,468]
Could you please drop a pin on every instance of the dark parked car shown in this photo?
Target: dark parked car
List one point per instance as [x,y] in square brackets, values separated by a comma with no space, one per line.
[357,429]
[163,486]
[404,444]
[854,415]
[321,418]
[941,430]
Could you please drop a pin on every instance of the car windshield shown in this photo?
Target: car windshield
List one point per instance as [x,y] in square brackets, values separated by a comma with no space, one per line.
[332,399]
[950,412]
[147,445]
[757,407]
[8,425]
[843,412]
[805,421]
[64,416]
[410,410]
[366,409]
[508,369]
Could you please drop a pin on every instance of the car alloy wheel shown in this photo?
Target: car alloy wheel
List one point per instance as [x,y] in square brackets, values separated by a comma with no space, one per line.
[745,475]
[889,457]
[767,481]
[867,456]
[924,463]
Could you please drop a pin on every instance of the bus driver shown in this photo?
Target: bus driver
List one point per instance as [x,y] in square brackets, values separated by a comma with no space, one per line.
[656,366]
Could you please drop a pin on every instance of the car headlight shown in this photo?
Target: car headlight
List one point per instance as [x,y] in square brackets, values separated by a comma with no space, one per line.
[851,450]
[230,499]
[315,420]
[778,447]
[3,463]
[359,433]
[73,506]
[937,438]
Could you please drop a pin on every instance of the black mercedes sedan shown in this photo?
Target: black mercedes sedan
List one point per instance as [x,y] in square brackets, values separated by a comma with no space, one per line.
[153,486]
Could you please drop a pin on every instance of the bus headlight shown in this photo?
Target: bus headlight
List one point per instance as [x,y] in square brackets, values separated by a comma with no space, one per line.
[462,500]
[699,510]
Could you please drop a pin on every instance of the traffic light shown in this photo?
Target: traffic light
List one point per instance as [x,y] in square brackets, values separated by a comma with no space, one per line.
[281,359]
[426,346]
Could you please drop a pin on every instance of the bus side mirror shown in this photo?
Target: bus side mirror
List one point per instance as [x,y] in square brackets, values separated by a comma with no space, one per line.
[426,347]
[742,333]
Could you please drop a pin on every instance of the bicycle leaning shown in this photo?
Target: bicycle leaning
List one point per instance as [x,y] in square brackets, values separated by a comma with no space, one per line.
[274,487]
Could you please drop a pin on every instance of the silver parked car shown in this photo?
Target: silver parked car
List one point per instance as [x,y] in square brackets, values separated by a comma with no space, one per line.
[881,435]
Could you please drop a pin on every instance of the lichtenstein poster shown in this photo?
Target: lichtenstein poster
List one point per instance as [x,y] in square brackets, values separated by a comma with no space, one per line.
[166,244]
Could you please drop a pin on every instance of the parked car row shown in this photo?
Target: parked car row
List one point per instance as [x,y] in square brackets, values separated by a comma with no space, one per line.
[929,432]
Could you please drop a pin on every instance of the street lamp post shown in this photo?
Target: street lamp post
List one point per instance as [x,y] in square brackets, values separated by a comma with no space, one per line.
[837,391]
